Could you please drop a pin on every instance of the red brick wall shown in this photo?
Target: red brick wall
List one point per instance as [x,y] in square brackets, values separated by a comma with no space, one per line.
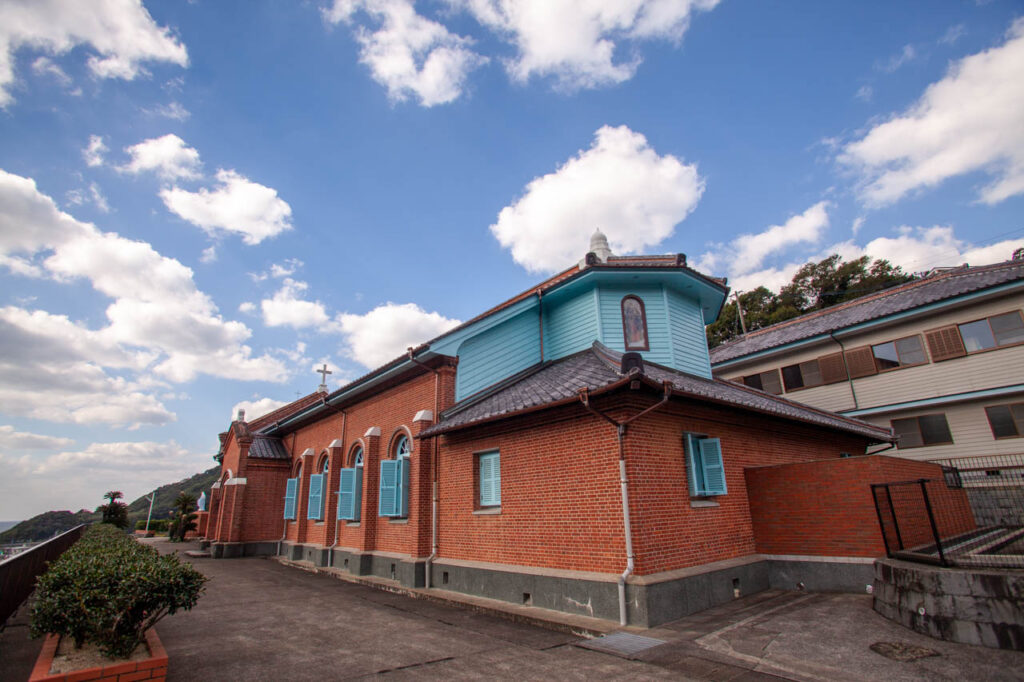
[561,504]
[826,508]
[259,509]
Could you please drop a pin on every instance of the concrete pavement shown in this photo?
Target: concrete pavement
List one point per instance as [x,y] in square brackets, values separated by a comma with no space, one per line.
[261,620]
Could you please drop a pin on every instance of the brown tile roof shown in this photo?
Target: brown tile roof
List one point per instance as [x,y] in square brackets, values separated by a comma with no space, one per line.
[597,369]
[871,307]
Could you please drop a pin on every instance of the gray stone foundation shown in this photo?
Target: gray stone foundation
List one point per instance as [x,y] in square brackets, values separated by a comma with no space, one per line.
[651,599]
[233,550]
[982,607]
[404,570]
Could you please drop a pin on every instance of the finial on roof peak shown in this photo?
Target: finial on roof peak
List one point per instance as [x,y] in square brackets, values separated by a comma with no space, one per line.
[599,246]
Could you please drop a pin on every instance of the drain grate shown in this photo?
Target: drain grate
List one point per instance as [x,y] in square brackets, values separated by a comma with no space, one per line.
[620,644]
[900,651]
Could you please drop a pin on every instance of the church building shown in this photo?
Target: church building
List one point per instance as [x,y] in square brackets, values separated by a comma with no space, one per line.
[568,449]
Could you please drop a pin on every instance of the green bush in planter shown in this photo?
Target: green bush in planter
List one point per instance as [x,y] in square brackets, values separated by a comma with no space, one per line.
[108,589]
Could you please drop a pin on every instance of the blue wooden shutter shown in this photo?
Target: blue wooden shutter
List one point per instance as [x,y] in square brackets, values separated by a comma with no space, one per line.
[713,468]
[289,498]
[490,480]
[388,501]
[694,472]
[316,497]
[403,487]
[350,494]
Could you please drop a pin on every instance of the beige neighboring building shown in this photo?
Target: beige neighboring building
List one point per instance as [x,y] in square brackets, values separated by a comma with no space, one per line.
[940,360]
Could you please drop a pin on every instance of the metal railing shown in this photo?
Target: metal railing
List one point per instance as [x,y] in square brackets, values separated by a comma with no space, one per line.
[18,574]
[967,518]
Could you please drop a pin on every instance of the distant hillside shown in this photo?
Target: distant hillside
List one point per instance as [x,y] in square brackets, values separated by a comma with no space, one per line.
[4,525]
[193,485]
[46,525]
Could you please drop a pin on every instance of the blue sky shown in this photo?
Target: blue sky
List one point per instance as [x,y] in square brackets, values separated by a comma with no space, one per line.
[201,201]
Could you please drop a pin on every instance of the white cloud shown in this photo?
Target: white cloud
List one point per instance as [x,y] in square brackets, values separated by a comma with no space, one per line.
[254,409]
[748,251]
[969,121]
[743,257]
[385,332]
[917,249]
[156,306]
[892,64]
[209,254]
[620,185]
[865,92]
[237,205]
[771,278]
[22,440]
[120,33]
[285,269]
[409,54]
[953,34]
[286,309]
[77,479]
[247,307]
[168,156]
[44,66]
[174,111]
[577,42]
[80,197]
[93,153]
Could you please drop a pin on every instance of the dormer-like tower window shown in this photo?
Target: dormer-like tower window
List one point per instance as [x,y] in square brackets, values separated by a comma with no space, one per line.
[634,324]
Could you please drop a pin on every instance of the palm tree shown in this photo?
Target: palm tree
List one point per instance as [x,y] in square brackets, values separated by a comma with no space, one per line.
[114,512]
[183,516]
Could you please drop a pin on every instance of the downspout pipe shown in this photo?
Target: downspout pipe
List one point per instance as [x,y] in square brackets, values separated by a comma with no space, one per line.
[846,367]
[284,535]
[433,473]
[620,430]
[330,550]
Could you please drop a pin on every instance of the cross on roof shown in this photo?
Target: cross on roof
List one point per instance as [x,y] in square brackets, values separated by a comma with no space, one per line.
[323,371]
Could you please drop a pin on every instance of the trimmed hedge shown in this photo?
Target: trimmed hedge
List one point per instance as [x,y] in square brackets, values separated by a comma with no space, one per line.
[155,525]
[108,589]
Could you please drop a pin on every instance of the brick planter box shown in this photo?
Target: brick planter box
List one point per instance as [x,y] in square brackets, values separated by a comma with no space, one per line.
[152,668]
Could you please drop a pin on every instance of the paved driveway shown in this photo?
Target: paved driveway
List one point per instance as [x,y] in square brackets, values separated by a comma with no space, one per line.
[260,620]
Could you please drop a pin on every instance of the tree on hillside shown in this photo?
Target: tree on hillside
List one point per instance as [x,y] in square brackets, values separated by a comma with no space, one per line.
[183,516]
[115,512]
[814,286]
[831,281]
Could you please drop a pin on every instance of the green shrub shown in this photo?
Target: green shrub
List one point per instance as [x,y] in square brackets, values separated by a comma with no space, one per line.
[155,525]
[108,589]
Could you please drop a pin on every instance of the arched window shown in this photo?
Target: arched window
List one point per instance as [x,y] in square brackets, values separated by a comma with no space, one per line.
[317,492]
[394,479]
[402,449]
[291,492]
[350,486]
[634,324]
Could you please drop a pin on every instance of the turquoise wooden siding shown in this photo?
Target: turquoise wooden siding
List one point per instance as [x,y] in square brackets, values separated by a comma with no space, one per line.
[350,493]
[290,491]
[573,321]
[498,353]
[689,343]
[658,335]
[570,324]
